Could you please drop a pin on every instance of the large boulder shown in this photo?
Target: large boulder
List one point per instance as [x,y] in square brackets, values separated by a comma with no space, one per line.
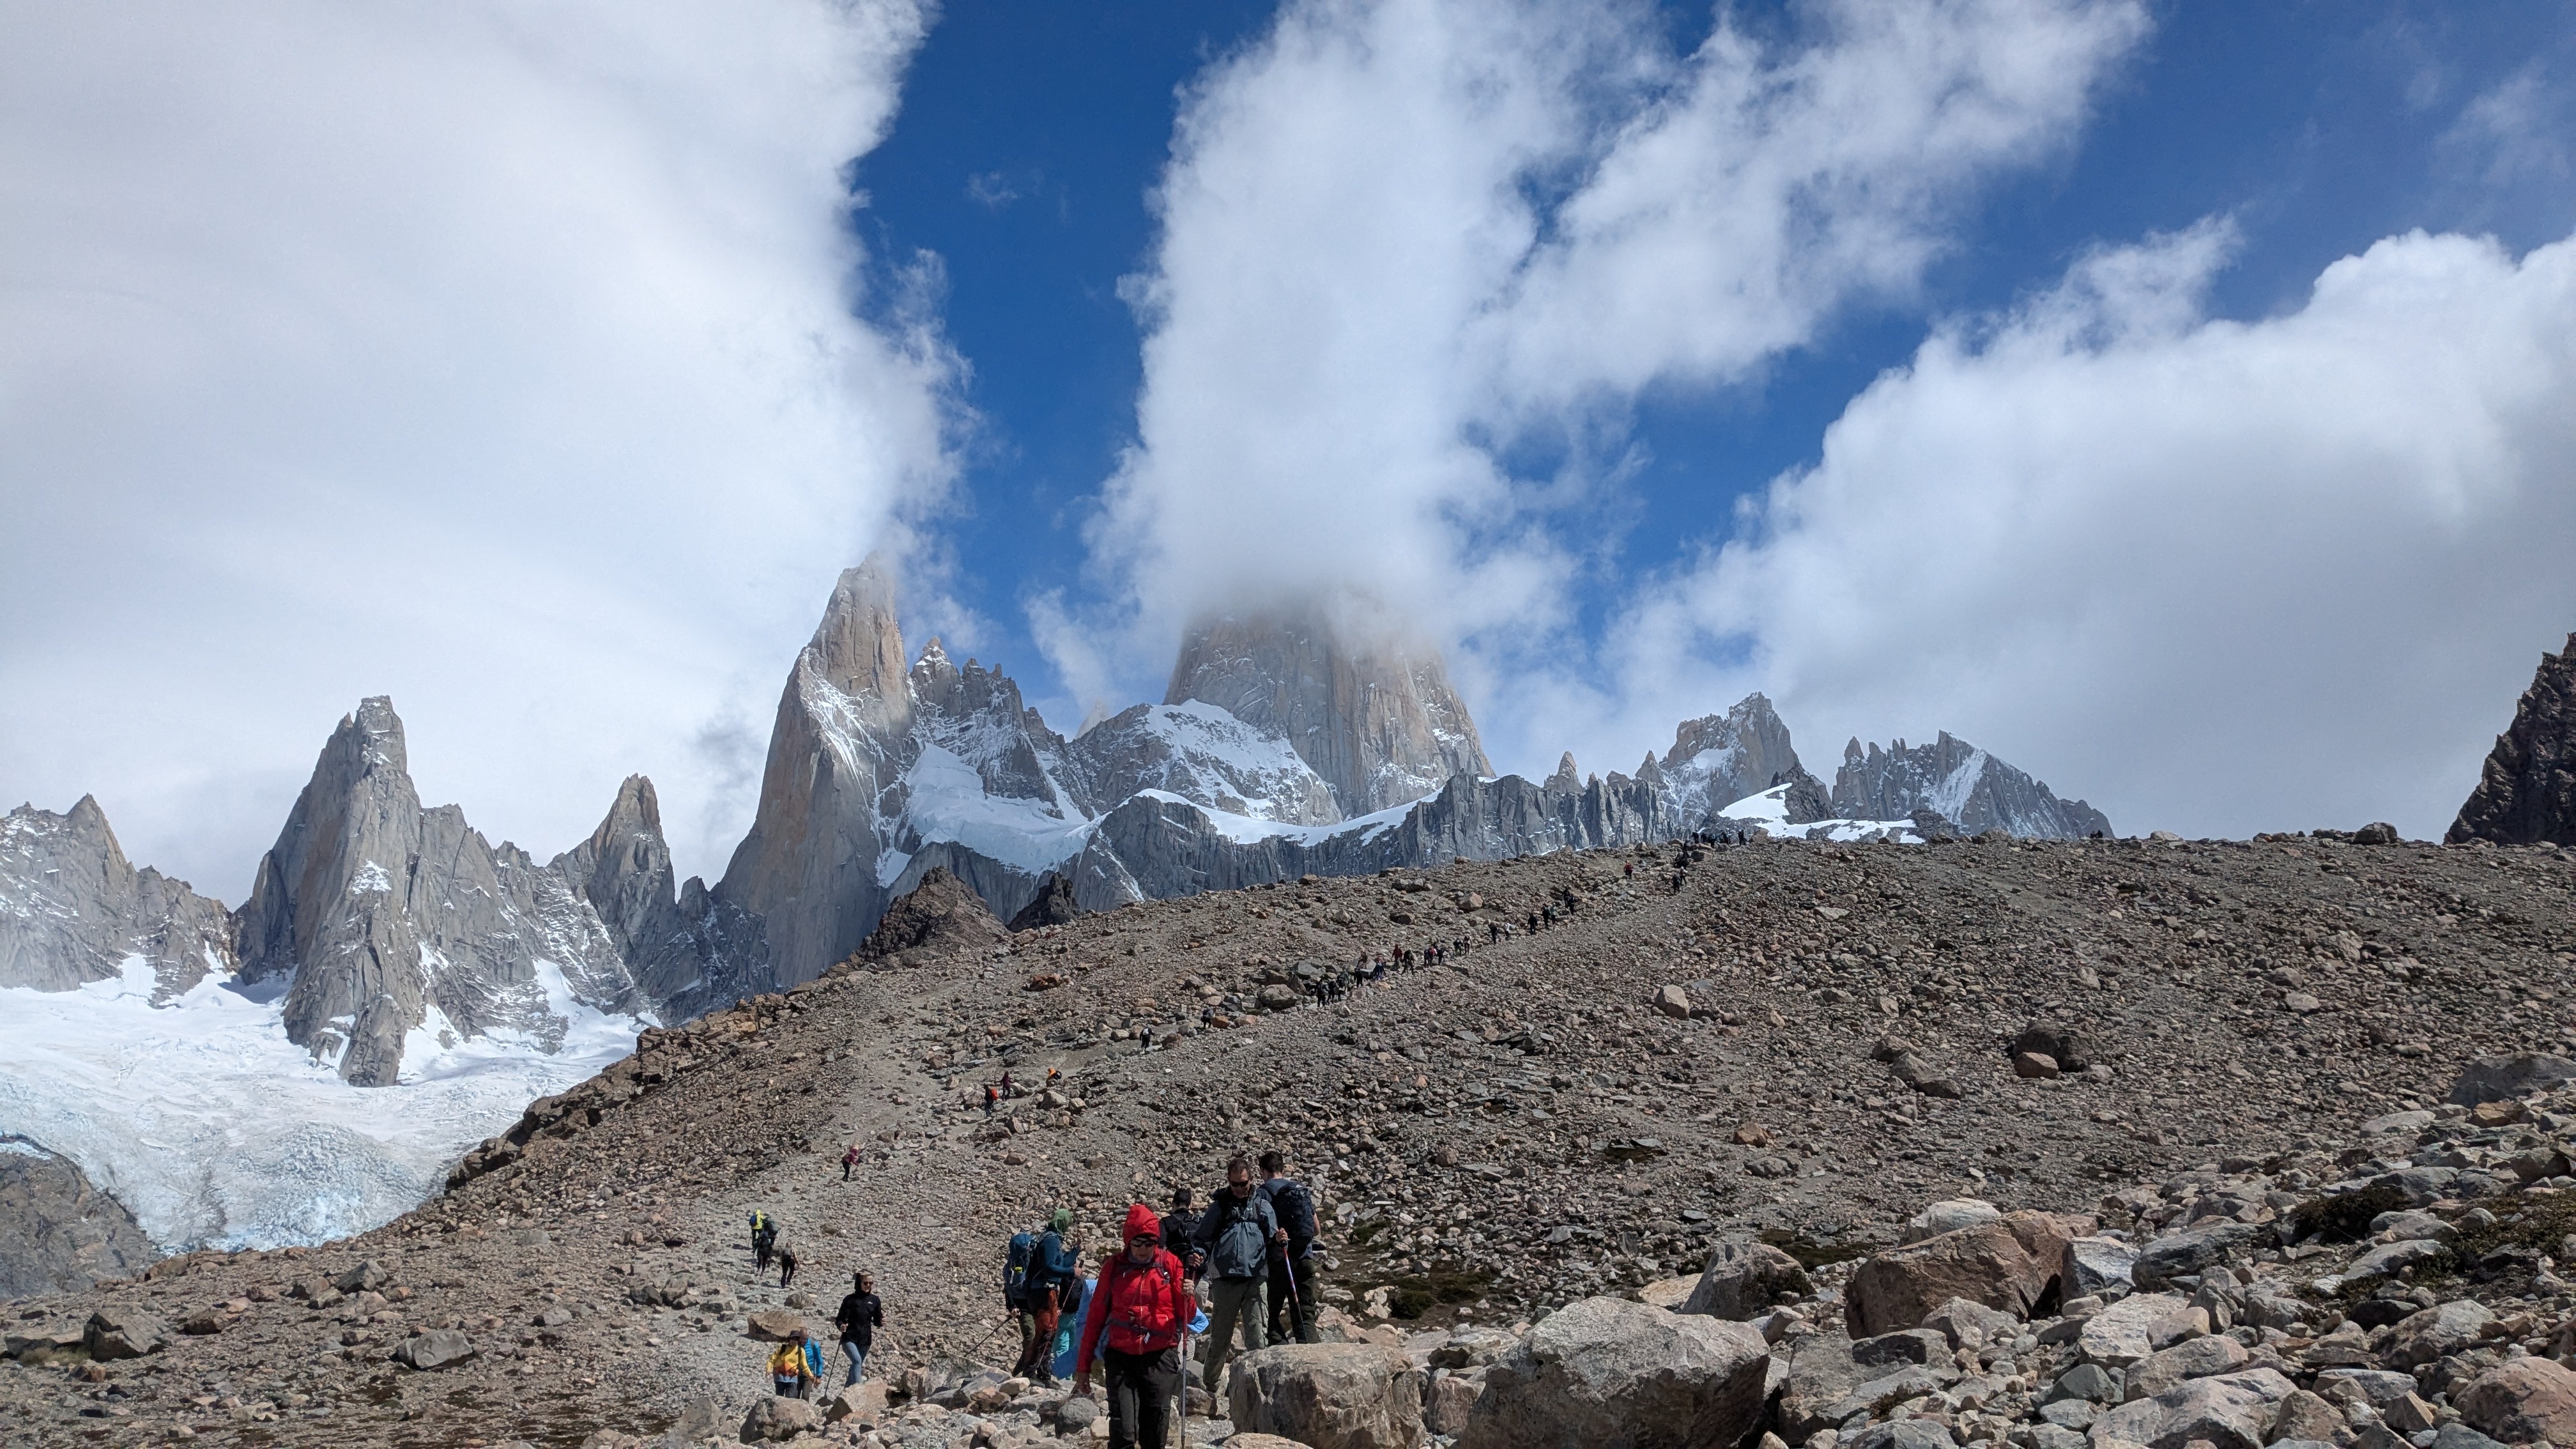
[2011,1264]
[115,1332]
[774,1420]
[1742,1279]
[1948,1216]
[2137,1326]
[2193,1358]
[2530,1398]
[2434,1333]
[774,1325]
[2097,1267]
[1818,1372]
[2194,1250]
[1330,1395]
[437,1349]
[2507,1078]
[2233,1411]
[1606,1373]
[864,1401]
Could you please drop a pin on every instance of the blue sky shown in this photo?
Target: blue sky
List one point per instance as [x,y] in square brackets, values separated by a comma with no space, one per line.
[1031,135]
[2173,398]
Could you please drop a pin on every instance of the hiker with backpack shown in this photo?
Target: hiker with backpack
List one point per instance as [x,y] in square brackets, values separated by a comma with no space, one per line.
[1233,1239]
[1179,1225]
[860,1317]
[764,1240]
[1048,1269]
[786,1264]
[1138,1310]
[796,1366]
[1292,1254]
[849,1160]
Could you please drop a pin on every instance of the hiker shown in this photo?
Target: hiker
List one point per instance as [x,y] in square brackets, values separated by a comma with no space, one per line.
[1134,1328]
[1292,1256]
[1006,1081]
[1179,1225]
[786,1263]
[1234,1237]
[1042,1298]
[796,1365]
[764,1239]
[991,1097]
[849,1160]
[860,1317]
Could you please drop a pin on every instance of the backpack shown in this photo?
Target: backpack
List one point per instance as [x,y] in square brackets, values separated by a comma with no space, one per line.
[1017,1268]
[763,1228]
[1295,1210]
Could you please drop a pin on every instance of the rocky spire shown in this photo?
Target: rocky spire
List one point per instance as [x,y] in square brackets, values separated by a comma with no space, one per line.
[2526,793]
[1378,720]
[1568,778]
[73,908]
[1960,783]
[831,793]
[384,918]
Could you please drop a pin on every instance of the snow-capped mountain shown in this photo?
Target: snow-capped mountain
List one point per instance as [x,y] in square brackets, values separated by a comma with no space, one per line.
[204,1066]
[1960,783]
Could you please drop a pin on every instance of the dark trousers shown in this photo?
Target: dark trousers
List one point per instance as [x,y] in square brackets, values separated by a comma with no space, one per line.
[1141,1386]
[1292,1318]
[1037,1336]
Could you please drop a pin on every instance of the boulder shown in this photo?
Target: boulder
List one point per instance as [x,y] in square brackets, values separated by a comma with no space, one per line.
[2377,1387]
[2422,1338]
[2072,1048]
[2193,1358]
[116,1332]
[2033,1066]
[864,1401]
[2095,1267]
[2527,1399]
[1906,1345]
[1668,1294]
[1903,1434]
[1331,1395]
[2304,1416]
[2011,1264]
[2460,1436]
[2505,1078]
[2135,1327]
[775,1325]
[1817,1373]
[1948,1217]
[2390,1259]
[1743,1278]
[774,1420]
[1607,1372]
[2232,1411]
[2085,1381]
[2194,1250]
[1078,1415]
[1673,1001]
[1884,1390]
[437,1349]
[1972,1325]
[364,1278]
[1451,1400]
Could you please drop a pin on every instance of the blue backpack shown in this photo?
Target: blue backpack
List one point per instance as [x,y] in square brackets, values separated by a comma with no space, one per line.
[1017,1268]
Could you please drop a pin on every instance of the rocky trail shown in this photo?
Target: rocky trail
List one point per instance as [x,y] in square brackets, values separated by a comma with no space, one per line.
[1782,1046]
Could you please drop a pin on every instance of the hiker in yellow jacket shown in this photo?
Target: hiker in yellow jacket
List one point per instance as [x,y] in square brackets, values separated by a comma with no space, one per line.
[796,1366]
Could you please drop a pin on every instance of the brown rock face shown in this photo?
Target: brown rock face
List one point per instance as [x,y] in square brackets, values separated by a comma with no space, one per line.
[2528,1399]
[2527,792]
[2008,1265]
[57,1232]
[1379,722]
[940,916]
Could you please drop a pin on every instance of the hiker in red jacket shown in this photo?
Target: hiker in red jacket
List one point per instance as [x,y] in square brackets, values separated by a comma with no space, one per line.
[1137,1311]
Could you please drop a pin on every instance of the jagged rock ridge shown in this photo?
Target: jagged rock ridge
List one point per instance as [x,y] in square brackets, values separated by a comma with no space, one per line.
[2526,793]
[1961,784]
[384,919]
[73,909]
[59,1233]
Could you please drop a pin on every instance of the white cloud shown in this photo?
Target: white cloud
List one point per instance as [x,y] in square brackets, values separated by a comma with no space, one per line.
[2216,576]
[499,357]
[1418,256]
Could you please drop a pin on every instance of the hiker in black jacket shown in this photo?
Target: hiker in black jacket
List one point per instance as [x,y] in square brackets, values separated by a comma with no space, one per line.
[1292,1273]
[1179,1226]
[860,1317]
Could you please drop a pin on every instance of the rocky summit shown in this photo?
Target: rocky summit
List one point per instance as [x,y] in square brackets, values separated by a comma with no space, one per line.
[1979,1142]
[2527,791]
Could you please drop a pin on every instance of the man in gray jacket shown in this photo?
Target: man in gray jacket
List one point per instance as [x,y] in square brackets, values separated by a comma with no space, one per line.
[1235,1234]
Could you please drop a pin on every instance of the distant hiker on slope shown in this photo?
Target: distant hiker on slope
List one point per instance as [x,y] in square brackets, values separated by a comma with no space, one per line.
[796,1364]
[1234,1237]
[849,1160]
[786,1263]
[764,1240]
[1134,1328]
[860,1317]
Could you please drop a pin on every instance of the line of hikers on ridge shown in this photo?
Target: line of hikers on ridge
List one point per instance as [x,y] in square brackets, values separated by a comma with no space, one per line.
[1251,1251]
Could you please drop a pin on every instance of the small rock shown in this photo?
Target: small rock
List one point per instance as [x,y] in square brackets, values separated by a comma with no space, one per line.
[1948,1217]
[2034,1066]
[366,1277]
[2094,1266]
[1673,1001]
[1744,1278]
[118,1332]
[437,1349]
